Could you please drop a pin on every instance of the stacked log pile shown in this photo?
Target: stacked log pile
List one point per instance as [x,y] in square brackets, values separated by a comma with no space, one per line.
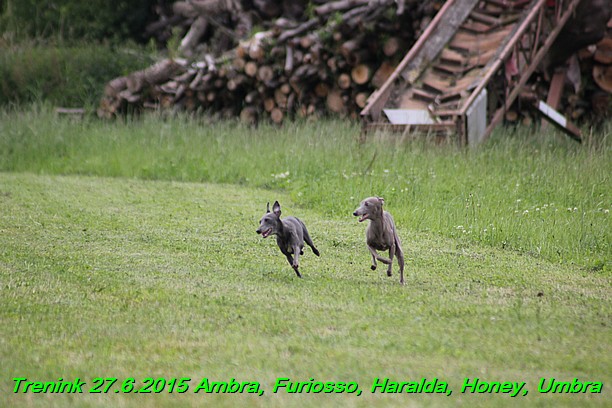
[307,58]
[274,59]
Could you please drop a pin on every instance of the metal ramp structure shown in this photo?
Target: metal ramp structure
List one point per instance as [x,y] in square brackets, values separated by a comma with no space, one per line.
[468,67]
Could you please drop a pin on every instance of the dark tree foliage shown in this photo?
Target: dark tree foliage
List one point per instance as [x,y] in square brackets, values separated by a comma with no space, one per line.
[89,20]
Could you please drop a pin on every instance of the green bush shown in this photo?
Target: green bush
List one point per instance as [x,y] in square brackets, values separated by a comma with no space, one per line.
[66,76]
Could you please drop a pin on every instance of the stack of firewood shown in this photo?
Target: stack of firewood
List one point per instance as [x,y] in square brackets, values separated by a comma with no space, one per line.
[307,58]
[599,56]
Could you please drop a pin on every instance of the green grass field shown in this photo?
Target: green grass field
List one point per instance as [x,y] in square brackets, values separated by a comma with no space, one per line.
[128,250]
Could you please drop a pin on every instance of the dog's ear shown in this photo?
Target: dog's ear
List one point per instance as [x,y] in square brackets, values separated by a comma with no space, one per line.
[276,208]
[382,200]
[268,207]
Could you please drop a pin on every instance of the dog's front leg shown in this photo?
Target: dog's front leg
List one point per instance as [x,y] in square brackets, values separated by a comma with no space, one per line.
[391,255]
[376,257]
[292,262]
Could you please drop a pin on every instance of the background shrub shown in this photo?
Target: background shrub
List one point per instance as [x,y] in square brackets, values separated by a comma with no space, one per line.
[72,76]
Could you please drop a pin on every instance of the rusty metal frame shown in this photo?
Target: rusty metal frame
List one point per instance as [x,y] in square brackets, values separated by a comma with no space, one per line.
[533,23]
[376,101]
[529,42]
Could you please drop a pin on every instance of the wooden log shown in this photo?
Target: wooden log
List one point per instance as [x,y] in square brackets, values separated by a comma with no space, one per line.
[242,50]
[344,81]
[288,59]
[201,95]
[291,102]
[235,82]
[184,9]
[361,74]
[321,90]
[190,40]
[511,116]
[302,28]
[280,98]
[335,101]
[285,88]
[129,97]
[277,116]
[170,87]
[251,97]
[248,115]
[186,76]
[358,57]
[332,64]
[256,52]
[269,104]
[210,63]
[250,68]
[77,113]
[159,29]
[239,63]
[213,7]
[340,5]
[156,74]
[602,74]
[361,99]
[603,52]
[115,86]
[392,46]
[308,40]
[268,8]
[351,46]
[382,74]
[265,73]
[219,82]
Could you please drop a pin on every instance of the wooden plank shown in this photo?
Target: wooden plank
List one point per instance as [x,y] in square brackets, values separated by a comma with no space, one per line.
[450,69]
[556,89]
[476,27]
[423,95]
[379,98]
[484,18]
[451,86]
[475,44]
[435,83]
[527,71]
[491,10]
[450,56]
[509,4]
[437,40]
[559,121]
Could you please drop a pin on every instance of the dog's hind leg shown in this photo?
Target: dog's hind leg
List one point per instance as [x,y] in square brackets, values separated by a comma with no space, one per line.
[400,260]
[308,240]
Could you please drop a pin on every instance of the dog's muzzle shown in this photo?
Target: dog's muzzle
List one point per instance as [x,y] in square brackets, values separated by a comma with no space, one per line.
[362,218]
[265,233]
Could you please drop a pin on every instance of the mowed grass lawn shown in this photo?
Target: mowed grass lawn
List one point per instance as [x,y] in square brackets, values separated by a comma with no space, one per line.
[129,259]
[124,278]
